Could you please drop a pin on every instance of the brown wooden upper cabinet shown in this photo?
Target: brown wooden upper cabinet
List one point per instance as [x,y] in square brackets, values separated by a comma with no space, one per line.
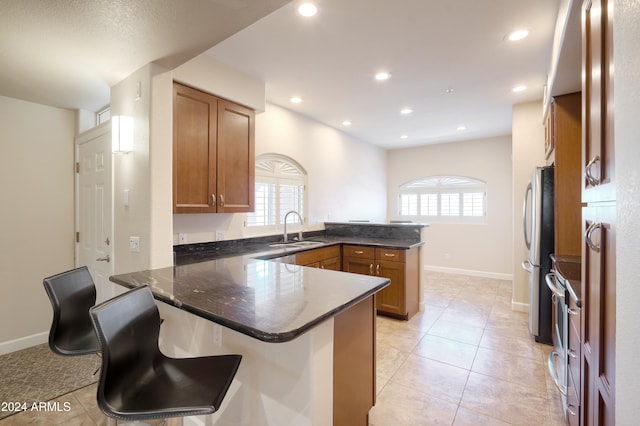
[213,154]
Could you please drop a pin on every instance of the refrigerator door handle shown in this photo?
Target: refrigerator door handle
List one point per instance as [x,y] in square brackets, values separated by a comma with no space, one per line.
[525,208]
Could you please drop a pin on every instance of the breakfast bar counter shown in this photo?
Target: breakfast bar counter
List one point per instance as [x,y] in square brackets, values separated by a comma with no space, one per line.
[270,301]
[307,336]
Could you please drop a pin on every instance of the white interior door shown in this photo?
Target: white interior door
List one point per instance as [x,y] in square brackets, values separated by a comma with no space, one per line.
[94,207]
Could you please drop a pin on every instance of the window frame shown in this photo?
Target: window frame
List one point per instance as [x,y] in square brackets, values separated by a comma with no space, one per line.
[442,186]
[279,179]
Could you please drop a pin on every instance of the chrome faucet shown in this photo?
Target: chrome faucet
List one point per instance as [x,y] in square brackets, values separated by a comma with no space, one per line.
[285,224]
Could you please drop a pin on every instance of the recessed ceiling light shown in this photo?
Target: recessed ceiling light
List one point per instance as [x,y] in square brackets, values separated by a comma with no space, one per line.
[449,90]
[296,100]
[381,76]
[519,89]
[517,35]
[307,9]
[406,111]
[461,128]
[403,136]
[346,123]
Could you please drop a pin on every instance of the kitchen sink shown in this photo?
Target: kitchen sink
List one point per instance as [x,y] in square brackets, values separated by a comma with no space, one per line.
[298,244]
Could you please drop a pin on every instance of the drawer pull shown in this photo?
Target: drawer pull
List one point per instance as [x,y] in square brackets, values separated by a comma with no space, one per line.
[390,254]
[371,269]
[570,409]
[358,252]
[573,312]
[378,269]
[572,353]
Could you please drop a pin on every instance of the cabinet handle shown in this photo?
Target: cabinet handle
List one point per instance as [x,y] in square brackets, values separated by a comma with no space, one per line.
[378,269]
[572,353]
[371,269]
[358,252]
[390,254]
[589,233]
[213,199]
[592,180]
[221,200]
[569,409]
[321,266]
[572,312]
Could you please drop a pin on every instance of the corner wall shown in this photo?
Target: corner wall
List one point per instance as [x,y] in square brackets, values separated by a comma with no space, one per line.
[462,247]
[36,217]
[527,153]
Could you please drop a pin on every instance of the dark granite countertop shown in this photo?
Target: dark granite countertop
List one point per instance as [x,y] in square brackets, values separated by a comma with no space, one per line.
[270,301]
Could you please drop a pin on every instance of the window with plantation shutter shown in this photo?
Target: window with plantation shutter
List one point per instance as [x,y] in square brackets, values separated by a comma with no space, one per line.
[280,187]
[443,198]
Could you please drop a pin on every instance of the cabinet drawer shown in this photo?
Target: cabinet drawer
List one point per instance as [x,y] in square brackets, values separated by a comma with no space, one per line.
[363,252]
[316,255]
[390,255]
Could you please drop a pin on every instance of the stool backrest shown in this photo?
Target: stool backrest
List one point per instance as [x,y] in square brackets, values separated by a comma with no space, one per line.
[72,293]
[128,327]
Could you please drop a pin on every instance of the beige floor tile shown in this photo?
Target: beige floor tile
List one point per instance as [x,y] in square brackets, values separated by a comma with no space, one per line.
[466,417]
[402,340]
[447,351]
[432,377]
[506,401]
[516,346]
[456,331]
[471,318]
[502,365]
[403,406]
[388,360]
[423,321]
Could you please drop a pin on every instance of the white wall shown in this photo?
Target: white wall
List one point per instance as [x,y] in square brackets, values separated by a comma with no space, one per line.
[527,153]
[346,177]
[477,249]
[627,156]
[37,215]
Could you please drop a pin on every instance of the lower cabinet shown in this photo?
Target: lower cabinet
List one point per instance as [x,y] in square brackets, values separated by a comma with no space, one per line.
[323,258]
[402,267]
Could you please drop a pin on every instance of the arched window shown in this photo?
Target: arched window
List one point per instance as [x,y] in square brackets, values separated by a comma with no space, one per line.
[280,187]
[443,198]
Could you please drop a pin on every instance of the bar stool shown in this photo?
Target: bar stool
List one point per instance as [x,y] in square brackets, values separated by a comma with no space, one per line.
[137,381]
[72,293]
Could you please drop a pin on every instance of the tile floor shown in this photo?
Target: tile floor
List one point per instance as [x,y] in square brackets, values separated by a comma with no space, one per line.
[467,359]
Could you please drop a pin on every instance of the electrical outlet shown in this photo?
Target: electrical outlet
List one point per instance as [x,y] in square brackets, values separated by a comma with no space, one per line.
[134,244]
[182,238]
[217,335]
[219,235]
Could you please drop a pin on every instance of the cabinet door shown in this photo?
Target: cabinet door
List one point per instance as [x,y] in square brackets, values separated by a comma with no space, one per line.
[358,265]
[391,299]
[236,158]
[194,150]
[332,264]
[599,314]
[597,53]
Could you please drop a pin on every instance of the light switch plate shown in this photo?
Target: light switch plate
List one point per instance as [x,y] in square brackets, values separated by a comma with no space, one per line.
[134,244]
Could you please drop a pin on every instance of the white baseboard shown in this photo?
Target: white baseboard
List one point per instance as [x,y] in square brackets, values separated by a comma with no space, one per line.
[519,307]
[23,342]
[483,274]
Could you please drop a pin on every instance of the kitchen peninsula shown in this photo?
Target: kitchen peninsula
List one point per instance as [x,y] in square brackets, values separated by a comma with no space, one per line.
[307,335]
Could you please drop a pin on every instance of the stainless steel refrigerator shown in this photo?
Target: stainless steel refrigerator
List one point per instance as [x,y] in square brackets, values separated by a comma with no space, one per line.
[537,217]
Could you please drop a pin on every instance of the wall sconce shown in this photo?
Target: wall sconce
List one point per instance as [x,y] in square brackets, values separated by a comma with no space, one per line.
[122,133]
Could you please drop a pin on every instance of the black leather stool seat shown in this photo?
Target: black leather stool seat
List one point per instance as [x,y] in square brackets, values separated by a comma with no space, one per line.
[137,381]
[72,293]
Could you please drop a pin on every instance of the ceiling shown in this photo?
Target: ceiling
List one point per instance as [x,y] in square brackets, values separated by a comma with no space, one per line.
[68,53]
[428,46]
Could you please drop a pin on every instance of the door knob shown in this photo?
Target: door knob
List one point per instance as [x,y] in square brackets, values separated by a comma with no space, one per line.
[104,259]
